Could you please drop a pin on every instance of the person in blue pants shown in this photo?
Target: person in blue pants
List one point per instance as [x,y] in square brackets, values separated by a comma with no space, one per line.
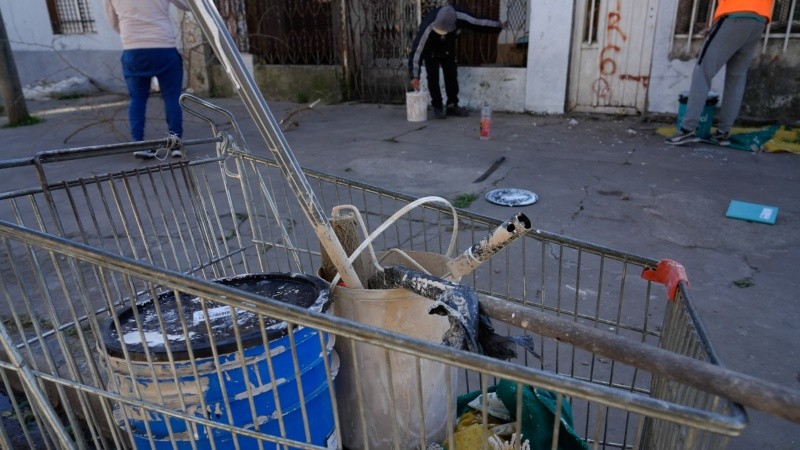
[149,50]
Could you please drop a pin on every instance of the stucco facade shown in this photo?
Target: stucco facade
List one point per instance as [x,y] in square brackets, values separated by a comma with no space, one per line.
[542,87]
[41,55]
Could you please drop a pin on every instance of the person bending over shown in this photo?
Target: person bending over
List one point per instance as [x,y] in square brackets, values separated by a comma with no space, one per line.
[435,47]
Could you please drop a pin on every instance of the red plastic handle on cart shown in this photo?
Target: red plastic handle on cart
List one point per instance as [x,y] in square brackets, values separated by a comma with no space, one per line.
[668,273]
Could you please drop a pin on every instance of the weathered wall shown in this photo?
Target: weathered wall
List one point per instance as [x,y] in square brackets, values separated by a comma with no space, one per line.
[773,88]
[503,88]
[499,87]
[548,55]
[303,84]
[41,55]
[102,67]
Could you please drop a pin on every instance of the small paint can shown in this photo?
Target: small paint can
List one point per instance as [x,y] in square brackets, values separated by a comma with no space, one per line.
[417,106]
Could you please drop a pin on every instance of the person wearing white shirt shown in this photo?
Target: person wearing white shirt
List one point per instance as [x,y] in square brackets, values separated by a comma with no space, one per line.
[149,50]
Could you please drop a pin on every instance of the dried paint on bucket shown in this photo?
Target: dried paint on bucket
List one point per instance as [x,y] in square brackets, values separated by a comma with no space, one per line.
[390,393]
[222,382]
[416,106]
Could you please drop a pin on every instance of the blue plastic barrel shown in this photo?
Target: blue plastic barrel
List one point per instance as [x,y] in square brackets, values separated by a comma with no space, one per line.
[216,387]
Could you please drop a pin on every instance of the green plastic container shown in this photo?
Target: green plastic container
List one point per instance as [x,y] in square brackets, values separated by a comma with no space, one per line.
[706,116]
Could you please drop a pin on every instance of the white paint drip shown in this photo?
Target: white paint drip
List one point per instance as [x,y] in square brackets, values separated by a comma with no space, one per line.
[258,390]
[153,338]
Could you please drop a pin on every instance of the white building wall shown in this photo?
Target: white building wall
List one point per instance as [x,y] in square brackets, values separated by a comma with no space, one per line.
[42,56]
[548,55]
[28,28]
[500,87]
[541,87]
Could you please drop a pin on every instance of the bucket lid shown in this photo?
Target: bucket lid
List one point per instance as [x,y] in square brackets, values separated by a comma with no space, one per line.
[297,289]
[511,197]
[711,99]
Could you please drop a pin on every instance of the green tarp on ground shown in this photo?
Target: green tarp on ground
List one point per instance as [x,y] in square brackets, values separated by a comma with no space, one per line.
[772,139]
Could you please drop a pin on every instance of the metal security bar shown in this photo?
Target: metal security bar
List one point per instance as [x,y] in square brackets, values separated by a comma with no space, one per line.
[70,16]
[694,17]
[293,32]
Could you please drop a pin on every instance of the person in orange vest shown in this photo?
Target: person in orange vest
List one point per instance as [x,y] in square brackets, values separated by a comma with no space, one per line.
[731,42]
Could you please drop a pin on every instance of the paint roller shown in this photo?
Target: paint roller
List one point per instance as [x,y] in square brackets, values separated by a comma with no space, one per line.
[480,252]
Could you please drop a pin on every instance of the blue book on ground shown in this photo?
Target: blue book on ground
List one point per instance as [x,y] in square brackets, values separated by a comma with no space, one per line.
[752,212]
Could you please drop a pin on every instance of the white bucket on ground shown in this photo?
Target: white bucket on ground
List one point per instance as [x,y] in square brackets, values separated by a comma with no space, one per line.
[417,106]
[400,311]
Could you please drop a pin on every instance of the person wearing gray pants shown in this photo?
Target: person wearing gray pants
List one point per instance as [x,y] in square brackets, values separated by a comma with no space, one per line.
[731,42]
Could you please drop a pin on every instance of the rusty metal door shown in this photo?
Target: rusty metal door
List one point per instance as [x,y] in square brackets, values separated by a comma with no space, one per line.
[611,55]
[371,39]
[380,34]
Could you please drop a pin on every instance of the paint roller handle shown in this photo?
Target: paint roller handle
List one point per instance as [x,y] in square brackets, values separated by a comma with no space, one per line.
[480,252]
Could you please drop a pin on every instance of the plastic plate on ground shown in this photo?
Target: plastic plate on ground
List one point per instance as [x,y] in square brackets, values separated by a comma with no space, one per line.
[511,197]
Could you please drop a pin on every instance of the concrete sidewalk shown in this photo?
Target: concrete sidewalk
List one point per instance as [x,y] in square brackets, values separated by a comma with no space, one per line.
[606,180]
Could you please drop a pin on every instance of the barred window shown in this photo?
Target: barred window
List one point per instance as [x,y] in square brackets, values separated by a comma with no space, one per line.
[786,18]
[70,16]
[696,15]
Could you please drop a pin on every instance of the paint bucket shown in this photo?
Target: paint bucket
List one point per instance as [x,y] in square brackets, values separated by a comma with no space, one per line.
[706,116]
[214,385]
[416,106]
[403,312]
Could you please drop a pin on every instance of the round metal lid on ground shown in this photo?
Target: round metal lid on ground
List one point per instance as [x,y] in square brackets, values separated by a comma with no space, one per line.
[511,197]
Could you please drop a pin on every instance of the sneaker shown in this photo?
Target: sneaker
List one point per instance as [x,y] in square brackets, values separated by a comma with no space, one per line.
[145,154]
[176,153]
[455,110]
[721,138]
[439,112]
[682,137]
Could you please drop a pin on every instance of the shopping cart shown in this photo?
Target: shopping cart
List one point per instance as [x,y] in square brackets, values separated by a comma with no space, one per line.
[178,306]
[83,258]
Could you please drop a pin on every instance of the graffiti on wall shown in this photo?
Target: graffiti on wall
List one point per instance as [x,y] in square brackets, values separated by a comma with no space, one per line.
[614,41]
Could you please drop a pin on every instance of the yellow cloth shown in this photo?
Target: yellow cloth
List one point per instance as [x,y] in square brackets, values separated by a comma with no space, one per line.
[469,431]
[785,140]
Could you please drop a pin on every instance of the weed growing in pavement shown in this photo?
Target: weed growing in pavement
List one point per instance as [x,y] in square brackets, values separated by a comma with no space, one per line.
[301,97]
[464,200]
[744,283]
[30,120]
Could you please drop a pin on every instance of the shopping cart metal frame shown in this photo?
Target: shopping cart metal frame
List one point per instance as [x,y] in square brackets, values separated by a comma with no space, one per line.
[77,250]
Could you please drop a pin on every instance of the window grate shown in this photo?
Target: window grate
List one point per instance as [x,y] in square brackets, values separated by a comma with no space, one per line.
[70,16]
[694,18]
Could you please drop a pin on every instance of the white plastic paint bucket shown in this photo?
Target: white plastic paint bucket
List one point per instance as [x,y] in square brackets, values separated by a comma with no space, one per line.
[403,312]
[417,106]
